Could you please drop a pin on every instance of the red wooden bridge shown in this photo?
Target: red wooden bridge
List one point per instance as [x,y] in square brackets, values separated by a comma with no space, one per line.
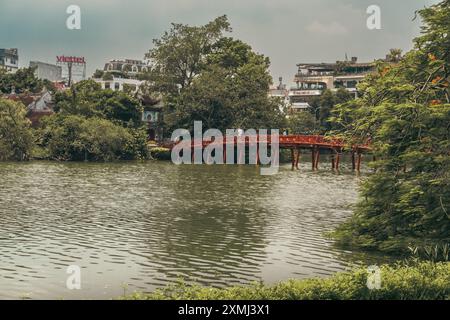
[296,143]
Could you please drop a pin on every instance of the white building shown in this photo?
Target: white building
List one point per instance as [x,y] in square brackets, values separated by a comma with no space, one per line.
[121,75]
[313,78]
[130,67]
[281,93]
[9,59]
[120,84]
[47,71]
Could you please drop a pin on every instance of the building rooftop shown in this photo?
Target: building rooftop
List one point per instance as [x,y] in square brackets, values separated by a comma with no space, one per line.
[126,66]
[10,52]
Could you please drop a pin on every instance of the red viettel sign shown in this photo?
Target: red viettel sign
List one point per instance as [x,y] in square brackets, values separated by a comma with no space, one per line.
[70,59]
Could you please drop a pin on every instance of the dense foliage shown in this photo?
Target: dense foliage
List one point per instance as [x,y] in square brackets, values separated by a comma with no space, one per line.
[424,281]
[88,99]
[404,109]
[74,137]
[94,125]
[206,76]
[160,153]
[303,123]
[22,81]
[323,105]
[16,137]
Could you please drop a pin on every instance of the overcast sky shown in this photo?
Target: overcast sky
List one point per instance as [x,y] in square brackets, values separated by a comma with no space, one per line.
[288,31]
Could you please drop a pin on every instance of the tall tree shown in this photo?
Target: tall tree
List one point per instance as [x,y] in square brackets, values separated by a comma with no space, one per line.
[405,110]
[206,76]
[179,55]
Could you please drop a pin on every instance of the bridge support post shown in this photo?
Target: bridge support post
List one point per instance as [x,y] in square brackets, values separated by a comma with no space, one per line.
[257,155]
[353,161]
[297,160]
[333,161]
[316,164]
[225,153]
[313,158]
[293,159]
[338,160]
[358,163]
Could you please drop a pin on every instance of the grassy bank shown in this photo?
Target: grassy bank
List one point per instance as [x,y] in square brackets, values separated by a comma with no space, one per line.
[427,281]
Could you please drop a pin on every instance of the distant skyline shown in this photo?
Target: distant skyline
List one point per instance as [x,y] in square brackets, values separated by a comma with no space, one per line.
[287,31]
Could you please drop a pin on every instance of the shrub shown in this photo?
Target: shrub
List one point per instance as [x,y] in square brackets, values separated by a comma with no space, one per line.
[160,153]
[16,137]
[74,137]
[428,281]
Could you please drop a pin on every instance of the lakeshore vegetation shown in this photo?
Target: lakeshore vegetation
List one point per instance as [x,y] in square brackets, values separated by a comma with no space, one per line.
[420,281]
[403,109]
[198,72]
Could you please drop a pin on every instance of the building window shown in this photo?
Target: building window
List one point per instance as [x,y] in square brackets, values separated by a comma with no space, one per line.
[116,86]
[351,84]
[107,85]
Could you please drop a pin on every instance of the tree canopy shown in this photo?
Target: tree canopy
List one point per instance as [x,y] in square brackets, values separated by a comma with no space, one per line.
[22,81]
[323,105]
[206,76]
[86,98]
[180,54]
[77,138]
[16,137]
[404,109]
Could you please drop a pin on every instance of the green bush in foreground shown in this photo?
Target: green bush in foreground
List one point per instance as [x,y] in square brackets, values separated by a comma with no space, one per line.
[160,153]
[423,281]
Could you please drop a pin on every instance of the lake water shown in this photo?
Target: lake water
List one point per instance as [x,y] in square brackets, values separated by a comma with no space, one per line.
[138,226]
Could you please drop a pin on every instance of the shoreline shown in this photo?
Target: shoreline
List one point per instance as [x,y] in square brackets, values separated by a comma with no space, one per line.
[414,281]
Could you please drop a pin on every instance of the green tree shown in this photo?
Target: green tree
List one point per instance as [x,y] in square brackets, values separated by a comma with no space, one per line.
[179,55]
[323,105]
[207,100]
[16,137]
[98,74]
[302,123]
[22,81]
[86,98]
[77,138]
[394,55]
[405,110]
[206,76]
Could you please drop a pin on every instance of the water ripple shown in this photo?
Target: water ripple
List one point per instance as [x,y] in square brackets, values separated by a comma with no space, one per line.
[148,224]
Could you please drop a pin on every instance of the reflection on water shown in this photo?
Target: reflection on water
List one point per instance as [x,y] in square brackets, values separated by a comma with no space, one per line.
[148,224]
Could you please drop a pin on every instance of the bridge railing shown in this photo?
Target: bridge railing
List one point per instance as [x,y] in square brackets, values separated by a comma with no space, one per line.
[284,141]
